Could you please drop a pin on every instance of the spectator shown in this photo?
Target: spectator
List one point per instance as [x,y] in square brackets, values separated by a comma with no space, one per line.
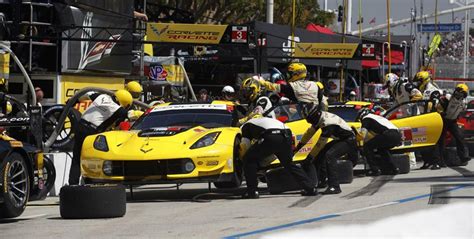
[39,95]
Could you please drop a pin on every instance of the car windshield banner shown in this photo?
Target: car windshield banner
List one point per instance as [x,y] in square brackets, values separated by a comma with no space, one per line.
[325,50]
[185,33]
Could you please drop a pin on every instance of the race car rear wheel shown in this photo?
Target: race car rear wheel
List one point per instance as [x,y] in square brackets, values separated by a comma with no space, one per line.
[16,189]
[49,177]
[237,175]
[65,139]
[92,201]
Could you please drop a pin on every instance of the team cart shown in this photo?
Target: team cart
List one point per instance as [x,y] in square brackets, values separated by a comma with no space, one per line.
[26,174]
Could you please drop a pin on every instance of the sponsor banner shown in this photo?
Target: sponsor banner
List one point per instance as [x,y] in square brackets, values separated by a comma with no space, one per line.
[191,107]
[164,69]
[99,40]
[325,50]
[185,33]
[70,84]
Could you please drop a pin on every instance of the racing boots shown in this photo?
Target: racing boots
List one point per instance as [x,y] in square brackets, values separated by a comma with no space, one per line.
[251,195]
[310,192]
[333,190]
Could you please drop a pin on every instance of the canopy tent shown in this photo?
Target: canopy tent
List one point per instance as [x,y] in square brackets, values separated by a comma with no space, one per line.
[317,28]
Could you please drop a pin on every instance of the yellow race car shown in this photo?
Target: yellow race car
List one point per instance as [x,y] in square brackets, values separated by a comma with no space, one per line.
[170,143]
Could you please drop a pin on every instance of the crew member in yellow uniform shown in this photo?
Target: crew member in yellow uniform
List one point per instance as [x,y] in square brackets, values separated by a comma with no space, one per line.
[298,89]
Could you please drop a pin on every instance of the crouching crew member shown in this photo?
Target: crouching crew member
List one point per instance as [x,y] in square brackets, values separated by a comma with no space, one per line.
[386,136]
[270,136]
[104,112]
[343,143]
[451,107]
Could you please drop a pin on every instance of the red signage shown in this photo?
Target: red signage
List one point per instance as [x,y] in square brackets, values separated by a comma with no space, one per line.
[368,50]
[239,34]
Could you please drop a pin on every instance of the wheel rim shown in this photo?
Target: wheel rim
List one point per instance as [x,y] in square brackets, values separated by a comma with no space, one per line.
[18,183]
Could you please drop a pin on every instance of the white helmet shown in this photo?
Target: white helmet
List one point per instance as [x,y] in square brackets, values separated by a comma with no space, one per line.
[391,80]
[228,89]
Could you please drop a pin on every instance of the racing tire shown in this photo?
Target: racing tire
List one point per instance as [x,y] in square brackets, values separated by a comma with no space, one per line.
[470,148]
[451,157]
[49,176]
[402,162]
[15,198]
[344,170]
[65,139]
[280,180]
[237,176]
[92,201]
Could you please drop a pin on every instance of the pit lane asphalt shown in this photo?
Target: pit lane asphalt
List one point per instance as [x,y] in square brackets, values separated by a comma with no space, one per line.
[157,212]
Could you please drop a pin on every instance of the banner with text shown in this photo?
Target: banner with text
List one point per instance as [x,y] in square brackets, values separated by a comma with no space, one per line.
[185,33]
[325,50]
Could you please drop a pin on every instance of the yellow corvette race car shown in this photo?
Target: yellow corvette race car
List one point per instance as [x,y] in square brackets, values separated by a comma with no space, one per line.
[170,143]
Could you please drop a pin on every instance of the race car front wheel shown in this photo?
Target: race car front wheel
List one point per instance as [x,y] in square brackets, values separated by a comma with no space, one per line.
[92,201]
[16,188]
[237,175]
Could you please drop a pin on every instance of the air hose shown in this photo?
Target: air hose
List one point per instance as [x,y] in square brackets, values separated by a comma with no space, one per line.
[71,102]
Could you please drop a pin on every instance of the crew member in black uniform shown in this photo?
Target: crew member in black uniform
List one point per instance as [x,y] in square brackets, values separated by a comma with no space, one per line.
[104,112]
[343,143]
[270,136]
[450,108]
[385,136]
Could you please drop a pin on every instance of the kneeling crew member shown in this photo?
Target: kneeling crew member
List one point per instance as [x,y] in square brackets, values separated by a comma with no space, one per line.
[104,111]
[270,136]
[450,108]
[343,143]
[386,137]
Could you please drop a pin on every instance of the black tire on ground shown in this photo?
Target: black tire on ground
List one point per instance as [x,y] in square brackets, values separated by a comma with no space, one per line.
[345,172]
[470,148]
[237,176]
[49,175]
[402,162]
[279,180]
[14,172]
[92,201]
[65,139]
[451,157]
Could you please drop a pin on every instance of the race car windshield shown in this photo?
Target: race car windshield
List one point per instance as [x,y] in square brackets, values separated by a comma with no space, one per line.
[181,118]
[347,114]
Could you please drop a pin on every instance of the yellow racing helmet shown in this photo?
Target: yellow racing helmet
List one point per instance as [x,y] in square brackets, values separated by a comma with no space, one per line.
[422,76]
[250,89]
[296,71]
[124,98]
[462,87]
[134,88]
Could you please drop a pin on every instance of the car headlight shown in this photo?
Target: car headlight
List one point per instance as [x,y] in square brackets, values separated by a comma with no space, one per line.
[206,140]
[100,143]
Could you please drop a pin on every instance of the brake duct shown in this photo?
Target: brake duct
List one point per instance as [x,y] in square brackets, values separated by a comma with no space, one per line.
[71,102]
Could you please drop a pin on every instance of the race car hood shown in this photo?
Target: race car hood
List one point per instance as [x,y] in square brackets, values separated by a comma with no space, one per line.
[146,144]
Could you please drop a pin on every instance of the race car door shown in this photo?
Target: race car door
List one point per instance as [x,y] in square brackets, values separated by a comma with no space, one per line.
[418,122]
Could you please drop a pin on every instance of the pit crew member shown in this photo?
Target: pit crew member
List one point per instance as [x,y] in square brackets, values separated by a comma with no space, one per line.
[104,112]
[270,136]
[385,136]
